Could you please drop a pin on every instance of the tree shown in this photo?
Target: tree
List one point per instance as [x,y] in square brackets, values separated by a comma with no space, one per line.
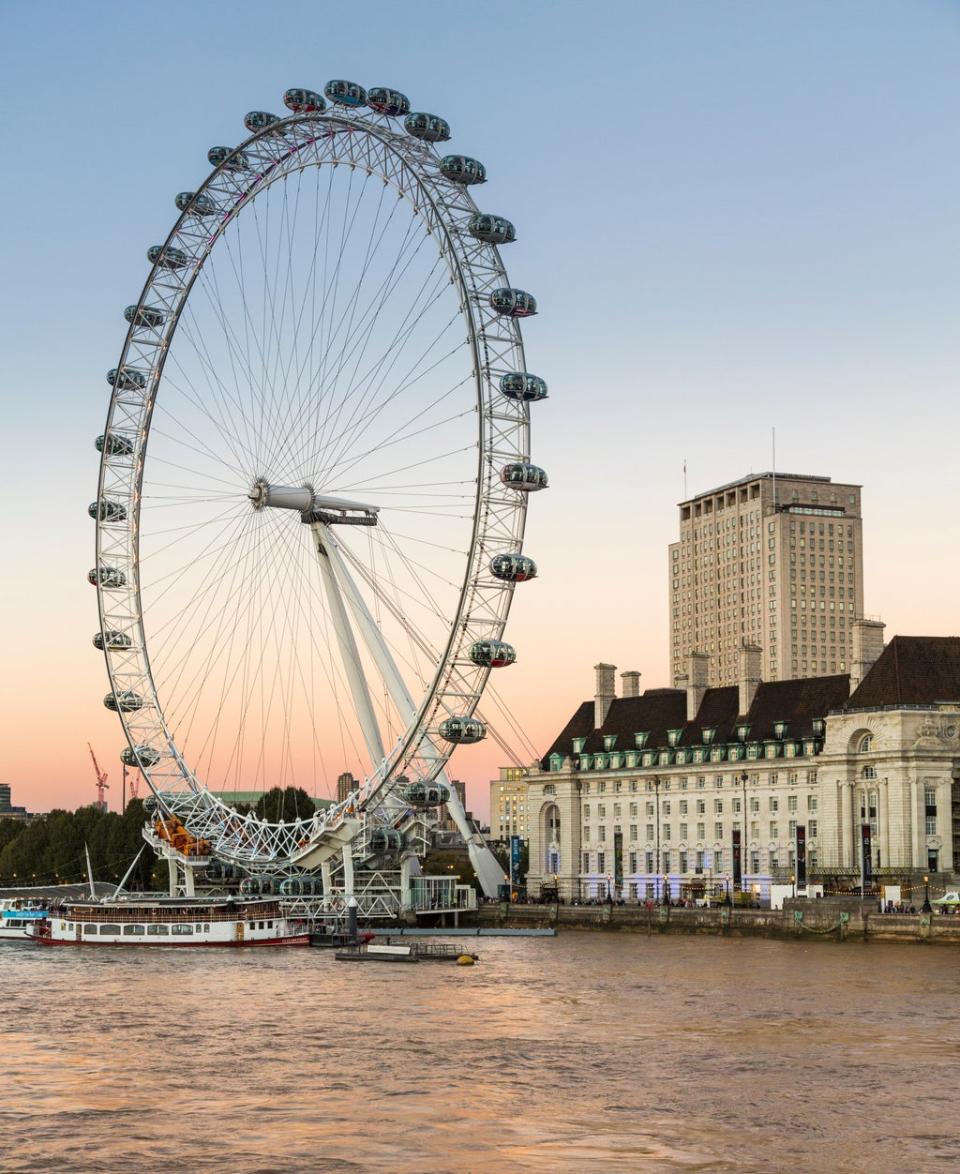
[287,805]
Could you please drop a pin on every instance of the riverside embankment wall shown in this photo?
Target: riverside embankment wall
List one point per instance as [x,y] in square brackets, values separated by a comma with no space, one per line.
[829,919]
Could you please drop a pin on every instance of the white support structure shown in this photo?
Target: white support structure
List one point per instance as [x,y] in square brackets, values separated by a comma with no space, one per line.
[348,650]
[348,871]
[485,864]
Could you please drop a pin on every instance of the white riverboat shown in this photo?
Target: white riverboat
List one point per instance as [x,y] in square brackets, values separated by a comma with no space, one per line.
[170,921]
[19,917]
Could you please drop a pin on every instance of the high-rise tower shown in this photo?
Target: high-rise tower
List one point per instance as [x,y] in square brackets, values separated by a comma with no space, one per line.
[775,560]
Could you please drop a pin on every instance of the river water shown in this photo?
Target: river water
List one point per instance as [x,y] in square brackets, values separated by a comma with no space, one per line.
[585,1052]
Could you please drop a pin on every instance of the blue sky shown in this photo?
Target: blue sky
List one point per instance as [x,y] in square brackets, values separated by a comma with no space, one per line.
[734,216]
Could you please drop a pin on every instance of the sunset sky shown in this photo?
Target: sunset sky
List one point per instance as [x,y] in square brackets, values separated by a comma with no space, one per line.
[734,216]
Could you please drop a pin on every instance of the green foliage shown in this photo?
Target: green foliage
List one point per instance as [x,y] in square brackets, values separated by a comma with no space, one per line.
[51,848]
[290,804]
[450,862]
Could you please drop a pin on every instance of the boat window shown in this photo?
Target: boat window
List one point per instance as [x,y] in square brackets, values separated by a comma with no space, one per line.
[69,925]
[181,929]
[269,925]
[157,930]
[260,925]
[13,923]
[89,929]
[199,929]
[108,929]
[133,931]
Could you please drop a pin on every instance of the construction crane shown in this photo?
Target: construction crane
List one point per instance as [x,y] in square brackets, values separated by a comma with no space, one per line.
[102,784]
[134,786]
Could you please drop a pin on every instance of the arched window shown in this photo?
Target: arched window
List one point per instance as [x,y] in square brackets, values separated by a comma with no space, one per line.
[869,772]
[865,744]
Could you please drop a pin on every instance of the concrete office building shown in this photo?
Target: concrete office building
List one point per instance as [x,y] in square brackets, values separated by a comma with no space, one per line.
[773,560]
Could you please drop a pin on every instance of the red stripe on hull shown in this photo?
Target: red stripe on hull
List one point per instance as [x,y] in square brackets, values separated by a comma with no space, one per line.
[296,940]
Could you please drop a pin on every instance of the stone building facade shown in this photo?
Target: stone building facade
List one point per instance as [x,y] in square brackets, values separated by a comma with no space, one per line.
[775,560]
[690,791]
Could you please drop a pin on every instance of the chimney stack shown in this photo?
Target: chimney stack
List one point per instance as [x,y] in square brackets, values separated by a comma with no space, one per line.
[698,673]
[631,683]
[750,667]
[867,646]
[606,692]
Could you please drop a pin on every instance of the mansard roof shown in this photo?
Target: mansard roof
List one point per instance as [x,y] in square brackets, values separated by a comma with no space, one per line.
[912,670]
[657,711]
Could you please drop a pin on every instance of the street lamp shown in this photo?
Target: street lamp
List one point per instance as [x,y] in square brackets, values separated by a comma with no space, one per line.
[744,778]
[656,787]
[793,882]
[927,907]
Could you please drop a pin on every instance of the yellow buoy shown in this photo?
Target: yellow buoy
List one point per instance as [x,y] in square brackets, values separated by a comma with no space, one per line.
[464,960]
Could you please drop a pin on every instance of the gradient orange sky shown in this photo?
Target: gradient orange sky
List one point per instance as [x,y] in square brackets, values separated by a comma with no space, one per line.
[734,216]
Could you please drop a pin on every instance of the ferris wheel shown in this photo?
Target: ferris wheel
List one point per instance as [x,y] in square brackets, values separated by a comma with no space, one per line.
[314,479]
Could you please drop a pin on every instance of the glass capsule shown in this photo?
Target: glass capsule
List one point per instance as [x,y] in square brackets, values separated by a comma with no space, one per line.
[126,378]
[112,640]
[107,511]
[259,120]
[491,229]
[345,93]
[389,102]
[115,445]
[107,577]
[462,169]
[145,316]
[126,701]
[513,568]
[521,385]
[303,102]
[513,303]
[427,127]
[199,205]
[226,158]
[139,756]
[523,477]
[492,654]
[167,257]
[462,731]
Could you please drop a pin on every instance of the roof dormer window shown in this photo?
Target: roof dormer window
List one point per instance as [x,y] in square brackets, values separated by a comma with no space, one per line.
[640,740]
[673,736]
[707,734]
[779,729]
[743,731]
[609,741]
[578,744]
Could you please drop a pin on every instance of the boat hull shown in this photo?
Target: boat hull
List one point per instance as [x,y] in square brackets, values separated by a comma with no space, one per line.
[167,944]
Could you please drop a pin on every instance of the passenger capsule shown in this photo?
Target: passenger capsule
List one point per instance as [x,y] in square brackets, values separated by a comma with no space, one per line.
[513,568]
[427,127]
[304,102]
[126,379]
[126,701]
[462,731]
[107,577]
[139,756]
[462,169]
[167,257]
[492,230]
[385,840]
[145,316]
[112,640]
[259,120]
[521,385]
[228,159]
[114,445]
[492,654]
[345,93]
[199,205]
[424,794]
[389,102]
[513,303]
[523,477]
[107,510]
[298,886]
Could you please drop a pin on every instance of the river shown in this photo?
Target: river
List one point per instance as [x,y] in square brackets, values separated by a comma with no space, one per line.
[586,1052]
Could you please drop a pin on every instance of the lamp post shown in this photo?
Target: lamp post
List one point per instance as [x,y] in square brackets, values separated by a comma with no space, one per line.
[793,882]
[744,778]
[927,907]
[656,787]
